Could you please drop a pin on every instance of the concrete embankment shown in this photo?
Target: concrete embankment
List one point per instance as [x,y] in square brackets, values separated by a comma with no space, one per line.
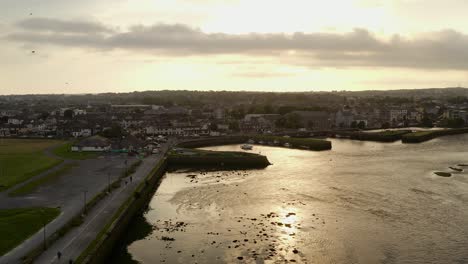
[383,136]
[216,159]
[100,249]
[212,141]
[299,143]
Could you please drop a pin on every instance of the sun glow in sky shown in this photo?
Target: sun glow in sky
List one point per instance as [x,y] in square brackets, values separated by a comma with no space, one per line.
[298,45]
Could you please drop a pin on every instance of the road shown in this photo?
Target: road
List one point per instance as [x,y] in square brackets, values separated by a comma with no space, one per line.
[92,176]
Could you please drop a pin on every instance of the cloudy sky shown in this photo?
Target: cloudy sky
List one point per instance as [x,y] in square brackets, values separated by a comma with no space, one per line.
[90,46]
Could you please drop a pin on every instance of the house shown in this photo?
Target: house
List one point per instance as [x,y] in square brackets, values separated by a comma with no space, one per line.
[92,144]
[344,119]
[130,108]
[129,143]
[78,112]
[81,132]
[15,121]
[398,115]
[259,122]
[167,130]
[455,114]
[317,120]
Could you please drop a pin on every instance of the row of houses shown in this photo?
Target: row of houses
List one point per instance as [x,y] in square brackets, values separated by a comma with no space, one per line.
[102,144]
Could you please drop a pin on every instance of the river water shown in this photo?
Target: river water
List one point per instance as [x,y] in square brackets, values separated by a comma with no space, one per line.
[362,202]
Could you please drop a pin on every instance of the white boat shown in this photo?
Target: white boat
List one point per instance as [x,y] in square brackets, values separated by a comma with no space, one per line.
[287,145]
[246,147]
[251,141]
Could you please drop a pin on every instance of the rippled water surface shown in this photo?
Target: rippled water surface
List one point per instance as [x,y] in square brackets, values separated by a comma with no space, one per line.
[362,202]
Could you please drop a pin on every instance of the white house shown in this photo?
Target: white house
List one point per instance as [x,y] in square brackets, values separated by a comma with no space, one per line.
[92,144]
[15,121]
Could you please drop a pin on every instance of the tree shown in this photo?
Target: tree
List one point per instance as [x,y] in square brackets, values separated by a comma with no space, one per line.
[68,114]
[44,115]
[426,122]
[455,122]
[115,131]
[289,121]
[213,126]
[385,125]
[234,126]
[361,125]
[238,113]
[354,124]
[4,119]
[267,109]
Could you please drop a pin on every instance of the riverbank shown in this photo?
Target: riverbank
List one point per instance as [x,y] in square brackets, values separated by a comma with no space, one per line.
[306,198]
[99,249]
[422,136]
[298,143]
[182,157]
[381,136]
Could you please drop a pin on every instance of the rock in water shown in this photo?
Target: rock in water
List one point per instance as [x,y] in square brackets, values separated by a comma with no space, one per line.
[443,174]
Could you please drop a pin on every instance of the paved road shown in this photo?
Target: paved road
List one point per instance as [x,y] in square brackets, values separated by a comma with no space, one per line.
[75,242]
[68,194]
[72,244]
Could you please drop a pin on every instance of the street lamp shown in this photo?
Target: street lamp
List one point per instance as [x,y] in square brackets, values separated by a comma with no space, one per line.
[44,228]
[108,182]
[84,201]
[126,172]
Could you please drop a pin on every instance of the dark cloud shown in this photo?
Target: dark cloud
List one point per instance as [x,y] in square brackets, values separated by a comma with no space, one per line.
[359,48]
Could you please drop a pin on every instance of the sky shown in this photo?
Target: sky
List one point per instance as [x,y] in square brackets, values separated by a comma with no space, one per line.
[93,46]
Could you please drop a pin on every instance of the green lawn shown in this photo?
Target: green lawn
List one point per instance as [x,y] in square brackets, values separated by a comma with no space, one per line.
[16,225]
[34,185]
[64,151]
[21,159]
[420,133]
[391,132]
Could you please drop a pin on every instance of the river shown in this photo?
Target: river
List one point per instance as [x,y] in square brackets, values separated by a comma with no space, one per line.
[362,202]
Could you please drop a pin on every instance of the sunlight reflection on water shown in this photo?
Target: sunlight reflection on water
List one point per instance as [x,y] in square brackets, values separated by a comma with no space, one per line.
[362,202]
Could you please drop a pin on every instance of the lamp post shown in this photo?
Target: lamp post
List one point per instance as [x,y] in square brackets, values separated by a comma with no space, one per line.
[126,171]
[44,229]
[108,182]
[84,201]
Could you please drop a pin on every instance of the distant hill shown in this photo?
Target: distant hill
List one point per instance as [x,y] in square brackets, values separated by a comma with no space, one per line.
[416,93]
[202,99]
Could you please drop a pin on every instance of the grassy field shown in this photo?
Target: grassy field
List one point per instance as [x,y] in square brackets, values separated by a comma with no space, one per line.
[391,133]
[16,225]
[64,151]
[382,136]
[21,159]
[34,185]
[422,136]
